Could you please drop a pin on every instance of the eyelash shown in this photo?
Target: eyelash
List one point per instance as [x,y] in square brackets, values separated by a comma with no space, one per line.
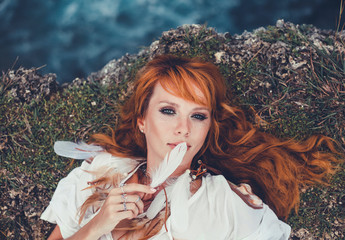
[167,111]
[170,111]
[200,117]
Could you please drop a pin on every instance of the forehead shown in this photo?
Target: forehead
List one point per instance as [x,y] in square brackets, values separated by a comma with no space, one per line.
[161,96]
[189,92]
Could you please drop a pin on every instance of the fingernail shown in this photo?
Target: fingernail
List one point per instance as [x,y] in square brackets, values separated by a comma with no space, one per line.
[153,190]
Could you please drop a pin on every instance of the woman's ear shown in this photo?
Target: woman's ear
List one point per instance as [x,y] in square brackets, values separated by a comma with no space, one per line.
[141,124]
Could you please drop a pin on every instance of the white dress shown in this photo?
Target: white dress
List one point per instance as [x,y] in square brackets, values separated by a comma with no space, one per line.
[215,211]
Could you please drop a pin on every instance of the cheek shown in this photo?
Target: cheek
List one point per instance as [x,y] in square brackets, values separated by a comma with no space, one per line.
[202,133]
[157,127]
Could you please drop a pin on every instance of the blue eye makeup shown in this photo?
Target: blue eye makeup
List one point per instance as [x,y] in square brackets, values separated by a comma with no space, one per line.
[199,116]
[171,111]
[167,111]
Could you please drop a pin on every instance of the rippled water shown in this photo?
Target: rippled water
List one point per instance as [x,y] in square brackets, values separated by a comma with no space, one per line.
[76,37]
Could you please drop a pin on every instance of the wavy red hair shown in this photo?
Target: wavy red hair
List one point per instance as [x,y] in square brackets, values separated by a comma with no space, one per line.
[274,168]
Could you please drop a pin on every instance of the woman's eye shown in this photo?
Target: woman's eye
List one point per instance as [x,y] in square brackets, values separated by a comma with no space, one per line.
[199,116]
[167,111]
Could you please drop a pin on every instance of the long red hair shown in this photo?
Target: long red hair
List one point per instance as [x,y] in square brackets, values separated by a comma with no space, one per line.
[274,168]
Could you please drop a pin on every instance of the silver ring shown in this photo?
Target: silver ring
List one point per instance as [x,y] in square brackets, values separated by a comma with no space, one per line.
[121,186]
[137,199]
[124,197]
[124,206]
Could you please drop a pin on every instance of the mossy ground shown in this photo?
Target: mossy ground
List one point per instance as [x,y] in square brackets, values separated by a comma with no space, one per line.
[290,108]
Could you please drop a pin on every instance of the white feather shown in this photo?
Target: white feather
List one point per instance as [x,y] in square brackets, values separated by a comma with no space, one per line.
[79,150]
[156,206]
[171,161]
[179,203]
[158,202]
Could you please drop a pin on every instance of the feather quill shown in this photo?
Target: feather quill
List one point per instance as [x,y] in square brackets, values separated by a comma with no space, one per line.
[79,150]
[180,195]
[171,161]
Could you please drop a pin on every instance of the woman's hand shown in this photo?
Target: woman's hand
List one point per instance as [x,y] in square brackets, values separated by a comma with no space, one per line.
[121,203]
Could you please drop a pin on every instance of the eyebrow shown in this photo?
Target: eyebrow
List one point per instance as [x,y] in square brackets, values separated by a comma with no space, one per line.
[176,105]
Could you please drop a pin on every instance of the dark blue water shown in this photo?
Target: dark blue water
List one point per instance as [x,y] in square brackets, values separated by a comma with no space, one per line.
[76,37]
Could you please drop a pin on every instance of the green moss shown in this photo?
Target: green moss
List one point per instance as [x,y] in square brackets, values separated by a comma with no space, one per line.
[322,207]
[29,130]
[32,129]
[289,36]
[204,43]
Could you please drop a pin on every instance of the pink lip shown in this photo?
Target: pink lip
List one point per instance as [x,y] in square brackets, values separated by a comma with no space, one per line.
[173,145]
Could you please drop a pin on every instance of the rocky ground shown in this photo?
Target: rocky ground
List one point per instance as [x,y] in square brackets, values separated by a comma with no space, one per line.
[293,77]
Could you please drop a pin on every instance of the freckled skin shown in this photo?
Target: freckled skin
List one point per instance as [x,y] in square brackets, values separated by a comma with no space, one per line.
[170,120]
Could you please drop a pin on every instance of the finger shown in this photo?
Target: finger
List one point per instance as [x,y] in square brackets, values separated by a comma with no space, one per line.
[133,198]
[124,198]
[133,208]
[115,208]
[119,199]
[137,200]
[125,215]
[116,199]
[133,187]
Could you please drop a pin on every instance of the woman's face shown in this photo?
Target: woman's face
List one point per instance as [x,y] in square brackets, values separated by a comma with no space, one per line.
[170,120]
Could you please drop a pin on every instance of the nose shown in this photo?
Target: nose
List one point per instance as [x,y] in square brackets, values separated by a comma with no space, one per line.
[183,127]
